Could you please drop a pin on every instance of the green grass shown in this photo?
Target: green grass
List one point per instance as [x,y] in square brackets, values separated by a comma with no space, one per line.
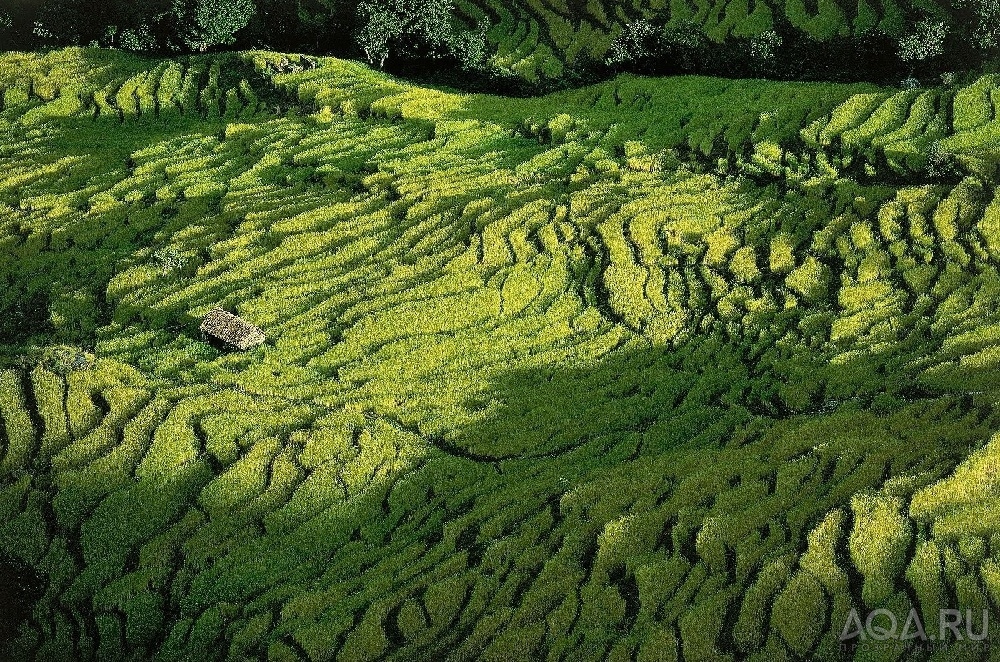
[649,369]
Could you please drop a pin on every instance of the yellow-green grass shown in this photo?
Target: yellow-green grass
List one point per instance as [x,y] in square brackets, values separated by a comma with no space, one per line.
[645,370]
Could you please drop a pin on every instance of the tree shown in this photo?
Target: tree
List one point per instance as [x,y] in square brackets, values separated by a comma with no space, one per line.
[62,22]
[471,47]
[380,27]
[924,43]
[411,28]
[685,46]
[321,24]
[985,22]
[202,24]
[139,38]
[635,46]
[764,46]
[59,22]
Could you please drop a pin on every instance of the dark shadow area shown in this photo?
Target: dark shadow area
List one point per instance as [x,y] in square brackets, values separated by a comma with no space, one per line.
[600,481]
[20,587]
[22,14]
[332,27]
[454,77]
[24,316]
[665,396]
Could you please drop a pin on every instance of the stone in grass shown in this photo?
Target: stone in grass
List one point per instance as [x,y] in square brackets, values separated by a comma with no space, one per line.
[230,330]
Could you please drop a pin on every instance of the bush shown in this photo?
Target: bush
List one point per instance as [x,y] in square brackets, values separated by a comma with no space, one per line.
[878,544]
[811,279]
[985,22]
[750,630]
[942,164]
[744,265]
[782,256]
[799,613]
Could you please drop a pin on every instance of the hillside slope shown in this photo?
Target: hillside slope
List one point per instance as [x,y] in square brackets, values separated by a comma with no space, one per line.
[539,40]
[656,369]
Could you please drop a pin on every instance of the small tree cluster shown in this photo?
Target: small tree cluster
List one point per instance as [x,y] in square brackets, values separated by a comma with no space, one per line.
[56,23]
[987,31]
[649,48]
[139,38]
[415,29]
[203,24]
[142,25]
[924,43]
[637,42]
[764,46]
[685,46]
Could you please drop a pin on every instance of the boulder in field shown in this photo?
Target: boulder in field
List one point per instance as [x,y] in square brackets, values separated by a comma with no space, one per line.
[230,330]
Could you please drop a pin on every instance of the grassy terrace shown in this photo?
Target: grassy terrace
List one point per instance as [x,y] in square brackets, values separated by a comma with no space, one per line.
[650,370]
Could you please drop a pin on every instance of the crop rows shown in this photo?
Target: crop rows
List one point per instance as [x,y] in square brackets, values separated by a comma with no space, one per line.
[904,129]
[535,39]
[539,383]
[59,86]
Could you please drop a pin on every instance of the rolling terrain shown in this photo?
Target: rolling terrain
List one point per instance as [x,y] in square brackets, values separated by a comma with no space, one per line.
[656,369]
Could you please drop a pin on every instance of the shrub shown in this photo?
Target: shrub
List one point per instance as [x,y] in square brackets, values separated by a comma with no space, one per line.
[744,265]
[782,255]
[19,425]
[799,613]
[878,544]
[942,164]
[926,577]
[810,279]
[751,628]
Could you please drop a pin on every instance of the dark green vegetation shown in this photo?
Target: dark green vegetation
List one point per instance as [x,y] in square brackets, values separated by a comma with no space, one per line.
[651,370]
[530,46]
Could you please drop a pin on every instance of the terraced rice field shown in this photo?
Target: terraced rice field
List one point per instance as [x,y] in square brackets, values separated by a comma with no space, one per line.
[651,370]
[538,39]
